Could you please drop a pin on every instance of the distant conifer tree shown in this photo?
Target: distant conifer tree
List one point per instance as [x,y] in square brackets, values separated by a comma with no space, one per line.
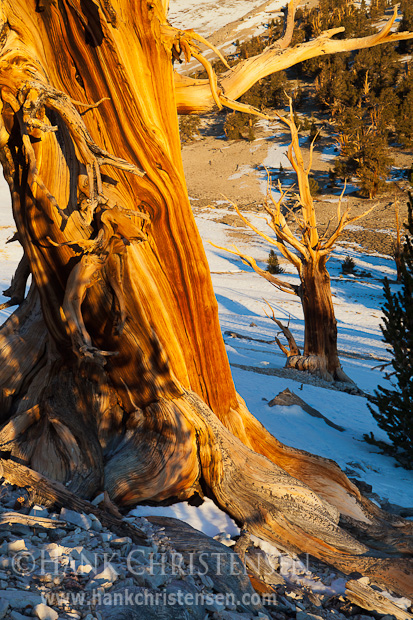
[393,406]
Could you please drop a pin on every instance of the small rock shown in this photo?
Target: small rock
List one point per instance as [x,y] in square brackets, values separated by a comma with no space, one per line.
[4,605]
[23,582]
[17,545]
[98,499]
[232,615]
[15,615]
[83,569]
[36,540]
[54,550]
[19,599]
[231,606]
[156,581]
[207,581]
[44,612]
[303,615]
[96,525]
[189,579]
[94,543]
[72,541]
[76,518]
[215,606]
[105,578]
[83,555]
[120,542]
[39,511]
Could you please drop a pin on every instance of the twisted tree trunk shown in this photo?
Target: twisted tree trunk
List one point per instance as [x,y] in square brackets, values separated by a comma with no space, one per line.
[113,370]
[320,324]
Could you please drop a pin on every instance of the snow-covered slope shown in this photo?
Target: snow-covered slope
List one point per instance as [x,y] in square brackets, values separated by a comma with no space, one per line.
[240,293]
[208,16]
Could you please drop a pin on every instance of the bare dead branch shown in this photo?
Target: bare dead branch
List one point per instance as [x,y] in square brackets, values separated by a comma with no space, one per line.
[345,220]
[89,106]
[192,97]
[282,231]
[56,494]
[200,38]
[286,39]
[367,598]
[211,76]
[293,348]
[249,260]
[244,107]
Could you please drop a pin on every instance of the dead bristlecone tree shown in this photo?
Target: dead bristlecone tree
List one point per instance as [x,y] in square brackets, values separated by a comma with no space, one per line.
[308,251]
[113,369]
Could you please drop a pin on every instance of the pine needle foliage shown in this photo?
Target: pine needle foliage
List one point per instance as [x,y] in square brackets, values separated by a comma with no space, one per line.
[392,406]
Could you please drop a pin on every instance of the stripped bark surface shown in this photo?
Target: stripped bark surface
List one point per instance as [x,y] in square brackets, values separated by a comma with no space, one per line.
[367,598]
[113,374]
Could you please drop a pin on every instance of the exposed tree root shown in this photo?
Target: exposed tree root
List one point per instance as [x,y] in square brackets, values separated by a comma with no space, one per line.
[52,493]
[317,365]
[258,494]
[203,456]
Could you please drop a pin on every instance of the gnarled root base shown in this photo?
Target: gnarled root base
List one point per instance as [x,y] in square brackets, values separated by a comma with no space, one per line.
[175,447]
[317,365]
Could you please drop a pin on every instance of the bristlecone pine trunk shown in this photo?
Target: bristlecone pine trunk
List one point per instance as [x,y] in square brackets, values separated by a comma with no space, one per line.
[320,324]
[113,371]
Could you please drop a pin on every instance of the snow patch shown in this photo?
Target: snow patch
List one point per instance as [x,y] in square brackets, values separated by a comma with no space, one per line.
[207,518]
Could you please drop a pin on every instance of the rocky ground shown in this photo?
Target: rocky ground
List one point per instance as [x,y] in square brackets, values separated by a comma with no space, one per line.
[66,565]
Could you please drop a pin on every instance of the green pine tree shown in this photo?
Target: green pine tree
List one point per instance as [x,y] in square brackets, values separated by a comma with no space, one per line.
[406,25]
[404,112]
[363,139]
[392,406]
